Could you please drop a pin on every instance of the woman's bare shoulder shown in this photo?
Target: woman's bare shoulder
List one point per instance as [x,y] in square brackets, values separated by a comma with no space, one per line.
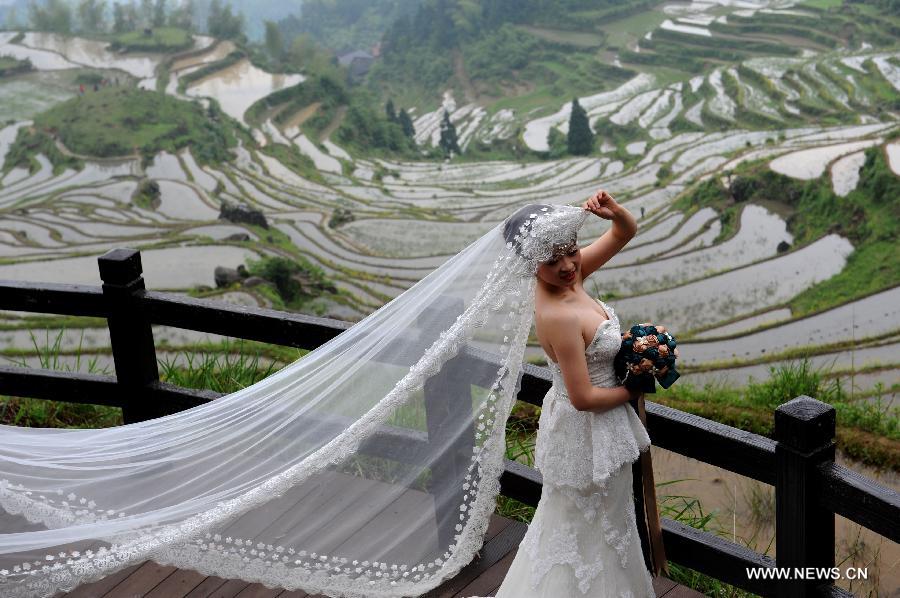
[556,317]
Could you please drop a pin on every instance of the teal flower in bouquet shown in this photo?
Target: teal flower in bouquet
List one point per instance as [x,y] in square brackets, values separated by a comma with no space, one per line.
[647,356]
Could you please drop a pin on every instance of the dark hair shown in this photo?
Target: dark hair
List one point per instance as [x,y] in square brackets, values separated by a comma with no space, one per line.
[515,221]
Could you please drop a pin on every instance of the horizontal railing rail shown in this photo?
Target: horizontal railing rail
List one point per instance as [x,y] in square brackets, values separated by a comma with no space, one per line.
[799,462]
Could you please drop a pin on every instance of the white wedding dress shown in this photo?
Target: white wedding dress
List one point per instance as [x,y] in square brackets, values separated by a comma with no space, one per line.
[583,539]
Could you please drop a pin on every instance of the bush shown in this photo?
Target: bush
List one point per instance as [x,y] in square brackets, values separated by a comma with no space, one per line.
[340,217]
[13,66]
[792,380]
[496,55]
[147,194]
[296,281]
[556,141]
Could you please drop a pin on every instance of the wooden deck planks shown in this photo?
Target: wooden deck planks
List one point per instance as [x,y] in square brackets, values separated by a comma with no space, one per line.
[203,589]
[487,583]
[663,585]
[142,581]
[257,590]
[229,589]
[103,586]
[679,591]
[177,585]
[481,577]
[492,553]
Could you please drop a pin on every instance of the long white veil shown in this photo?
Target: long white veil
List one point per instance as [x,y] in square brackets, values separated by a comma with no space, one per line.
[370,467]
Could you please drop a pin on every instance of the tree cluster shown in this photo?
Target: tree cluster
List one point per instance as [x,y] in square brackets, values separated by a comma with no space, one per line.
[134,15]
[53,15]
[91,16]
[222,22]
[366,128]
[401,118]
[346,25]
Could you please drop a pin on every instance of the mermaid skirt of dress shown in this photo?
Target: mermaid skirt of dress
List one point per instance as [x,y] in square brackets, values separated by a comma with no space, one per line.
[582,542]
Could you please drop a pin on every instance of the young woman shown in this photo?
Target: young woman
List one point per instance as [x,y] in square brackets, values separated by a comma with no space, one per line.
[583,539]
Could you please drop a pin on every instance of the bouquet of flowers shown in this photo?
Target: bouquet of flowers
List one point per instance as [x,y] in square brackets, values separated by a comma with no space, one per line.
[647,352]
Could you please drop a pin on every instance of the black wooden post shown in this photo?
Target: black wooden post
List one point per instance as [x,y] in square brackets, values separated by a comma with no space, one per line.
[129,332]
[804,531]
[637,485]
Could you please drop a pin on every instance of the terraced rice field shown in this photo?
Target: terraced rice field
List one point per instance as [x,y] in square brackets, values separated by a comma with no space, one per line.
[728,295]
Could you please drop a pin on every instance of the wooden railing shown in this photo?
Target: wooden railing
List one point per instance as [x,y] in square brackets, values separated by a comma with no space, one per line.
[810,488]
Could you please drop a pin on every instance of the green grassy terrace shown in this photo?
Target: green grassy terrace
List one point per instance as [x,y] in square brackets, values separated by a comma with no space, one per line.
[160,39]
[119,122]
[13,66]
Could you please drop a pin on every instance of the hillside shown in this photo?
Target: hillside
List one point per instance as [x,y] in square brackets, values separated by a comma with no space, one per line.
[501,48]
[507,79]
[498,48]
[348,25]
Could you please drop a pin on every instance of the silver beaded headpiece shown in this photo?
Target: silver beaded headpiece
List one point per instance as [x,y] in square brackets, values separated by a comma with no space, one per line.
[547,232]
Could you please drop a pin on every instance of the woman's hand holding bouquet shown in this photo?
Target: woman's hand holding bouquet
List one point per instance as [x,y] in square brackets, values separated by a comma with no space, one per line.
[648,352]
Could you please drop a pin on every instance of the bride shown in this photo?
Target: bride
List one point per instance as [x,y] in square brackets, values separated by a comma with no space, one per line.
[583,539]
[370,467]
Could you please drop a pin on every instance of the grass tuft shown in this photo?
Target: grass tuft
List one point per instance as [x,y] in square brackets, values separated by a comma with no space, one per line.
[228,371]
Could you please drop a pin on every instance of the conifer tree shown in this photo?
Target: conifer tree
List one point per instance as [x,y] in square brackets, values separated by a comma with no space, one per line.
[448,140]
[120,21]
[159,13]
[580,140]
[146,13]
[90,15]
[406,122]
[183,15]
[390,111]
[274,41]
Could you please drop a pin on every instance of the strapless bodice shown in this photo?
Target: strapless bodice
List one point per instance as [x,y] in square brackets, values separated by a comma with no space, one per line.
[577,448]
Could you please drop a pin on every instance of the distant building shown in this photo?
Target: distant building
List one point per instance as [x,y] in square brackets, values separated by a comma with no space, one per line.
[358,62]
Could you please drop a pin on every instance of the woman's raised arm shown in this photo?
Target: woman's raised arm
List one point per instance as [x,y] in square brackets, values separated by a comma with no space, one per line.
[623,229]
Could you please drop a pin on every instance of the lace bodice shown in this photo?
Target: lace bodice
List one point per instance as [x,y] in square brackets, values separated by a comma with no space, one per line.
[577,448]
